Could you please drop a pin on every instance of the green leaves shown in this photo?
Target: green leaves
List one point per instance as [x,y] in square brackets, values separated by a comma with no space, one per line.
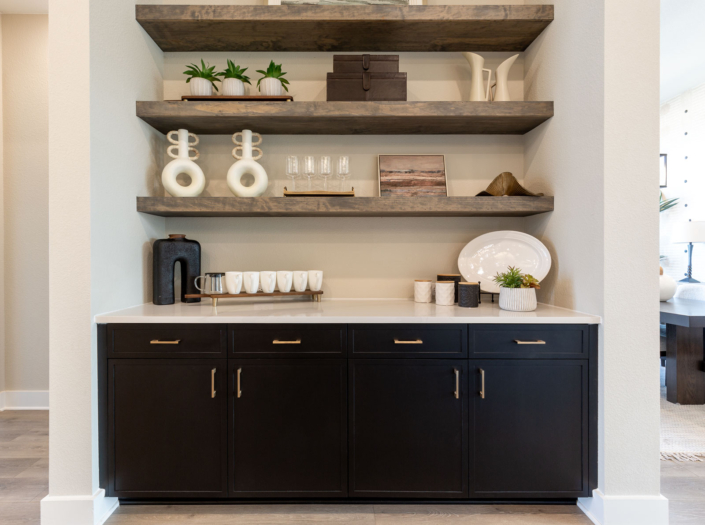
[274,71]
[513,278]
[193,71]
[234,71]
[665,204]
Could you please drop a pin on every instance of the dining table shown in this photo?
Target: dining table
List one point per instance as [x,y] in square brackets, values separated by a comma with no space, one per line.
[685,375]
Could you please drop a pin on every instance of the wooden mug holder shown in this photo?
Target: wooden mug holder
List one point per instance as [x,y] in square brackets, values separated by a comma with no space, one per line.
[315,296]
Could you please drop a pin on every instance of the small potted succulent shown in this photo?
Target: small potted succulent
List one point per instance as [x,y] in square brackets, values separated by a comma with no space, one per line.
[273,81]
[517,292]
[234,80]
[202,79]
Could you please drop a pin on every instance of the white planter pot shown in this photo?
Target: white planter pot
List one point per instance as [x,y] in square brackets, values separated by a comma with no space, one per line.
[518,299]
[232,87]
[271,87]
[200,87]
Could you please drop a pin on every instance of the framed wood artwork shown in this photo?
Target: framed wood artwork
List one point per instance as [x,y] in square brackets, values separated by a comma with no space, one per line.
[412,176]
[663,170]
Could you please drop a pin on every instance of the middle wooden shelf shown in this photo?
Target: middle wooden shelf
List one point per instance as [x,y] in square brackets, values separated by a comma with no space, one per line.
[347,118]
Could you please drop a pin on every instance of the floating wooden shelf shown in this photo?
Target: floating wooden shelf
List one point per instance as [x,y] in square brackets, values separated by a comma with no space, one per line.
[347,118]
[348,207]
[344,28]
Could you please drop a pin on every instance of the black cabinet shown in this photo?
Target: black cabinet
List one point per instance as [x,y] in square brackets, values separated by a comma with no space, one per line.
[167,428]
[529,421]
[408,428]
[288,428]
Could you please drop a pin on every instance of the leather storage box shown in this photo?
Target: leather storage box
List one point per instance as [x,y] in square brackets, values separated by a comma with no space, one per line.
[362,63]
[356,87]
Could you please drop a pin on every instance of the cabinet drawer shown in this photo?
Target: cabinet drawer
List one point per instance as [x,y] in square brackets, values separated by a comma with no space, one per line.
[404,340]
[167,340]
[529,341]
[288,340]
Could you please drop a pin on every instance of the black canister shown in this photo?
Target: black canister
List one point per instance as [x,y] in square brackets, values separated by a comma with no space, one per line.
[167,252]
[469,295]
[455,277]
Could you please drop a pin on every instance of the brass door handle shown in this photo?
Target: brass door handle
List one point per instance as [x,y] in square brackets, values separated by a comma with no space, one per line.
[537,342]
[278,342]
[212,383]
[457,383]
[239,390]
[158,342]
[482,384]
[416,342]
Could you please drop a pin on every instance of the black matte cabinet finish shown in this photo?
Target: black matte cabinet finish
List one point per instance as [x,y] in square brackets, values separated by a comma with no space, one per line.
[529,433]
[167,433]
[408,428]
[288,428]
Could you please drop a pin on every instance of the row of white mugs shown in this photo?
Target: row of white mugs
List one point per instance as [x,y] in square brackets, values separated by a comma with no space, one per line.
[266,281]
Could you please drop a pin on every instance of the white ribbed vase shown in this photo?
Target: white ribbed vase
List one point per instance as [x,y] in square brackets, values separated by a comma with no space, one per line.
[271,87]
[517,299]
[200,87]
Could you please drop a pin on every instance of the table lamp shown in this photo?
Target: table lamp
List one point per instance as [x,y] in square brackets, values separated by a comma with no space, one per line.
[690,232]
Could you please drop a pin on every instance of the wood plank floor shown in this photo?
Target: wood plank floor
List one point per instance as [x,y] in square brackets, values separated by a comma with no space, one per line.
[24,480]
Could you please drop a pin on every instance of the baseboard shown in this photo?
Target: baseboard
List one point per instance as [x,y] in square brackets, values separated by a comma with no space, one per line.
[78,510]
[625,510]
[24,400]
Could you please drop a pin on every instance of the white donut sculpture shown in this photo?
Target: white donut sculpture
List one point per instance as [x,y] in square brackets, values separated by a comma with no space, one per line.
[247,164]
[182,163]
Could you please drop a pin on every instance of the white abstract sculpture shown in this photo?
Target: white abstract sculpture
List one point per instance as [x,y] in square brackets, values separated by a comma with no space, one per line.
[247,164]
[183,163]
[478,93]
[501,94]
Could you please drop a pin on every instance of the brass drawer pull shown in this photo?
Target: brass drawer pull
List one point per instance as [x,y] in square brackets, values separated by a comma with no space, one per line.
[278,342]
[158,342]
[212,383]
[482,383]
[537,342]
[457,383]
[417,342]
[239,390]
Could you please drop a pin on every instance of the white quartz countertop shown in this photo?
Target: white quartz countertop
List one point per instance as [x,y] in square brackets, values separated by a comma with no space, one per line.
[339,311]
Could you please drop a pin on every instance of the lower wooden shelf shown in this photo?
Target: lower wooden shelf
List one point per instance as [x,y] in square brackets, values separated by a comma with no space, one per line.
[344,207]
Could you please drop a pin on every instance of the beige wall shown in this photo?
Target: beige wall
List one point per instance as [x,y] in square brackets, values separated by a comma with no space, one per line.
[2,232]
[26,279]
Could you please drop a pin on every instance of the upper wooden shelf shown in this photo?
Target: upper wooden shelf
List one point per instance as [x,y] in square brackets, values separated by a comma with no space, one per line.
[344,206]
[347,118]
[344,28]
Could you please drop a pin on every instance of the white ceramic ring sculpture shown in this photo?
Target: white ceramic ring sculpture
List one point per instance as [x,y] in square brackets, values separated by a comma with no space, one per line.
[182,163]
[247,164]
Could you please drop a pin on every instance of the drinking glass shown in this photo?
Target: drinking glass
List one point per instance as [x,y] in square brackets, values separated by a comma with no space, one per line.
[324,171]
[309,168]
[343,171]
[292,170]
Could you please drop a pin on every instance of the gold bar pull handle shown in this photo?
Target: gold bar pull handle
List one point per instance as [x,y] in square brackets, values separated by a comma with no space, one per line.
[278,342]
[158,342]
[537,342]
[482,384]
[212,383]
[239,390]
[457,383]
[416,342]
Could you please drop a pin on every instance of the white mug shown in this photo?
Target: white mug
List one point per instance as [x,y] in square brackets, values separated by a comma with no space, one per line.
[284,281]
[233,282]
[300,281]
[315,280]
[269,281]
[251,281]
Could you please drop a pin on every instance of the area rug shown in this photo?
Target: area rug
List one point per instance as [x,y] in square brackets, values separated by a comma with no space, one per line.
[682,429]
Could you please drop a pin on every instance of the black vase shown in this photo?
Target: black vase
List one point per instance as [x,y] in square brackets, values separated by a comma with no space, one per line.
[167,252]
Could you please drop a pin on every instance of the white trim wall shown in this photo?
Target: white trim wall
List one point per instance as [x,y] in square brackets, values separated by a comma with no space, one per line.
[24,400]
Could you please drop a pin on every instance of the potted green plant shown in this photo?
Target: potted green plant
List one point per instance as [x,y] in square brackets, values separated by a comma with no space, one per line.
[234,80]
[272,81]
[202,79]
[517,292]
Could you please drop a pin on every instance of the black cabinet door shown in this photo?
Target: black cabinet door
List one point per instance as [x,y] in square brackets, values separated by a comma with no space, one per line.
[288,428]
[530,430]
[408,428]
[167,428]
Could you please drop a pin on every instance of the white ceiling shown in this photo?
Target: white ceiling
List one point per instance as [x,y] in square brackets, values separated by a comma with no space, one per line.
[682,46]
[24,7]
